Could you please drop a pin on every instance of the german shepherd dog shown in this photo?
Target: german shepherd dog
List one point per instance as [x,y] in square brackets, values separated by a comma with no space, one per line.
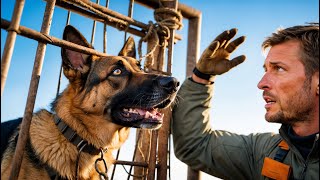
[92,116]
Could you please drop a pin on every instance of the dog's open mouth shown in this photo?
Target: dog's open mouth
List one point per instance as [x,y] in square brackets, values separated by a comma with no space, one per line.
[146,115]
[141,117]
[149,118]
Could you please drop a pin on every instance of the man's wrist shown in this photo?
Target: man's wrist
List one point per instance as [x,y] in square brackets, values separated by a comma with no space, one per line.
[201,74]
[199,80]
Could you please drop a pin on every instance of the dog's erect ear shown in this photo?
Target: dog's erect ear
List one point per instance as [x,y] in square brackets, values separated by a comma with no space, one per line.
[73,61]
[129,48]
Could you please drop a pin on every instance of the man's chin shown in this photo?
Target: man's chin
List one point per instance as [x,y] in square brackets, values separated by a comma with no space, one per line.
[274,117]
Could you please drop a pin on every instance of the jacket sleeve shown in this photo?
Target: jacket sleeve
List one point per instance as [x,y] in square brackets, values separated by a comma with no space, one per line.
[219,153]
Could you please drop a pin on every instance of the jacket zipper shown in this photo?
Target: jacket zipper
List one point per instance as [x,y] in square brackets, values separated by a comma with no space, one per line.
[304,170]
[305,166]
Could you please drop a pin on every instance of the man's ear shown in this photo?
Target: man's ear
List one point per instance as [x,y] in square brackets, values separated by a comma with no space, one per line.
[315,82]
[129,48]
[75,62]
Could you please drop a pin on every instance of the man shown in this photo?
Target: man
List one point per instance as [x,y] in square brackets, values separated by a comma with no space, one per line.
[290,88]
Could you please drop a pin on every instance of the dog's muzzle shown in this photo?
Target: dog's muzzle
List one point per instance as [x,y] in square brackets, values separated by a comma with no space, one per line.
[141,107]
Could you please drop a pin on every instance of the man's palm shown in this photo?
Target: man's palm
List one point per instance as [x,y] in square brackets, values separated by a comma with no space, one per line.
[215,59]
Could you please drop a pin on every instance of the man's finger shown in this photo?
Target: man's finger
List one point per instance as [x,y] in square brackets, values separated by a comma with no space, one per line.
[232,33]
[221,37]
[211,49]
[234,44]
[223,43]
[236,61]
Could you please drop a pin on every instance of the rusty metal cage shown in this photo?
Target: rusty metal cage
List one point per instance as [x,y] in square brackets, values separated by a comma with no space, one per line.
[157,146]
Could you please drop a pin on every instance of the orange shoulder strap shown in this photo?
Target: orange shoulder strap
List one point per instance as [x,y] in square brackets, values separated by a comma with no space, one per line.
[283,145]
[274,168]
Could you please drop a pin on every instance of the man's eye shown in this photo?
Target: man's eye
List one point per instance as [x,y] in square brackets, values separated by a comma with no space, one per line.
[116,72]
[278,68]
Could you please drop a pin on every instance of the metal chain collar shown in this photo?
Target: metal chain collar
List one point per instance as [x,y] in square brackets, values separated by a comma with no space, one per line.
[103,174]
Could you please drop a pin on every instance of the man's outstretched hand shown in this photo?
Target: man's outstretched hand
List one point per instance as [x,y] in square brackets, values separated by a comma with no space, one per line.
[215,58]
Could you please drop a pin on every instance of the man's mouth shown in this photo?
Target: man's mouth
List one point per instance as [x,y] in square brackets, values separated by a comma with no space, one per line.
[269,102]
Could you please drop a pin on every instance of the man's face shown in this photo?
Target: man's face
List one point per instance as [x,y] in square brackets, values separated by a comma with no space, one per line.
[287,91]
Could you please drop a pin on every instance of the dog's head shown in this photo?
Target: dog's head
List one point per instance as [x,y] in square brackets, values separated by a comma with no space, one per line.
[115,87]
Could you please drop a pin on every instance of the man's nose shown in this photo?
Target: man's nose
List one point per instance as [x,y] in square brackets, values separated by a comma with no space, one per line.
[264,83]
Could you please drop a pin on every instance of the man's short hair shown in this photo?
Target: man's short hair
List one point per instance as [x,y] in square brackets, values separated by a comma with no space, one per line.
[308,36]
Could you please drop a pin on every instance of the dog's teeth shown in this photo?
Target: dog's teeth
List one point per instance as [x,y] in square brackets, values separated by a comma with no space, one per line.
[125,109]
[132,110]
[147,114]
[140,112]
[154,112]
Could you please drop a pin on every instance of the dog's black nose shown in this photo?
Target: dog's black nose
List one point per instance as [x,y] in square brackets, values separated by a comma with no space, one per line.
[170,84]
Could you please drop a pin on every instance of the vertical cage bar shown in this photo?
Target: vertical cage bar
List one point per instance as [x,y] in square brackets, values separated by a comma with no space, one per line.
[114,165]
[105,32]
[153,154]
[10,41]
[135,152]
[23,133]
[174,5]
[164,131]
[130,14]
[93,29]
[60,72]
[144,145]
[193,49]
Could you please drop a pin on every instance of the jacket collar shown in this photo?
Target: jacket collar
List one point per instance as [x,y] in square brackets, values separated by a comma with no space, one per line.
[284,130]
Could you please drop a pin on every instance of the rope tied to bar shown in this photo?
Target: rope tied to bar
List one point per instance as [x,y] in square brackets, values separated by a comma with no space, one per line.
[150,37]
[167,18]
[122,27]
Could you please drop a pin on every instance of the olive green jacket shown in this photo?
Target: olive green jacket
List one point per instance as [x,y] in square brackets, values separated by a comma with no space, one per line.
[224,154]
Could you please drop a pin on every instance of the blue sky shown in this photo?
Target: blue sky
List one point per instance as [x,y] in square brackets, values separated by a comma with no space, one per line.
[237,105]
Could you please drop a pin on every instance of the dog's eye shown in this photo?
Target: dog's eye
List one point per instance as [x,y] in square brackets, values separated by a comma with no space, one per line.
[116,72]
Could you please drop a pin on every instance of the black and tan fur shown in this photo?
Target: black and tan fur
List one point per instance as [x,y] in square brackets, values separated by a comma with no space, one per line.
[92,105]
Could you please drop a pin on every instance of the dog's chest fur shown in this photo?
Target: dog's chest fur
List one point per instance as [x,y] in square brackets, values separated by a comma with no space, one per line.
[48,147]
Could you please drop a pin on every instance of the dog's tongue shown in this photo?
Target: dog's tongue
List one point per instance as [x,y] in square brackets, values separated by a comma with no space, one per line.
[150,113]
